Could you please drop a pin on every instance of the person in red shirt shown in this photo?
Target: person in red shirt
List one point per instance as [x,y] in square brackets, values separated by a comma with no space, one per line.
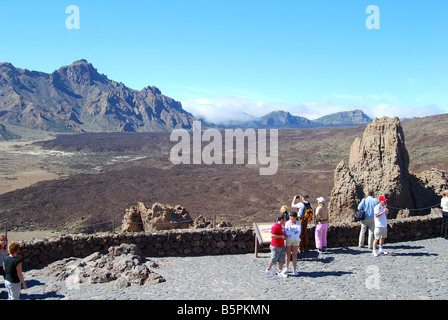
[278,252]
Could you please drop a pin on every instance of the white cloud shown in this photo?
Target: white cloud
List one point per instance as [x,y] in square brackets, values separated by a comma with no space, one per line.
[393,110]
[227,108]
[231,108]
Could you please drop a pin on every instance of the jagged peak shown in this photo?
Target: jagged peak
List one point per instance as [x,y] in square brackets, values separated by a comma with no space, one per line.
[6,64]
[152,89]
[277,113]
[81,69]
[81,63]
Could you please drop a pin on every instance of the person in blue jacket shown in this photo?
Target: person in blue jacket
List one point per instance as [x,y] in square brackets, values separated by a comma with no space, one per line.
[368,205]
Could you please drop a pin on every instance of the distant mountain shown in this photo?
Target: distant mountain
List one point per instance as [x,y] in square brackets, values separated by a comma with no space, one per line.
[78,98]
[283,119]
[346,118]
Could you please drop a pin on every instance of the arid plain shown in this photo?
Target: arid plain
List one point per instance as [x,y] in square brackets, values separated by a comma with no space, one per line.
[50,183]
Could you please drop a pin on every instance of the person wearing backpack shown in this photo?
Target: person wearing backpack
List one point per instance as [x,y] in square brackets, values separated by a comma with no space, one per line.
[305,215]
[367,204]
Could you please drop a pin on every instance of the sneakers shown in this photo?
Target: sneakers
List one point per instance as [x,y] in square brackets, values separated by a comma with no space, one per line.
[271,272]
[283,274]
[295,273]
[380,251]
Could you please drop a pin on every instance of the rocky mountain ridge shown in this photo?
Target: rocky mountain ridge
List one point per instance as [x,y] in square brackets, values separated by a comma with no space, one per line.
[345,118]
[78,98]
[285,120]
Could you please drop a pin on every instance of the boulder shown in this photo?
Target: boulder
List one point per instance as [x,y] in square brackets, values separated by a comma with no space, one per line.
[166,217]
[132,220]
[123,264]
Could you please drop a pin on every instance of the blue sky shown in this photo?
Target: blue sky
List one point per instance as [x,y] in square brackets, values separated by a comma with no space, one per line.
[222,58]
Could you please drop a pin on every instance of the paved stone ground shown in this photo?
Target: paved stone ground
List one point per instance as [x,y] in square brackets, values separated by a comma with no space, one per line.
[412,270]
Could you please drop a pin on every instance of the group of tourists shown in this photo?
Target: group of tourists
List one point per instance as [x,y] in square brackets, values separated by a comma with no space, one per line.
[290,232]
[289,236]
[375,221]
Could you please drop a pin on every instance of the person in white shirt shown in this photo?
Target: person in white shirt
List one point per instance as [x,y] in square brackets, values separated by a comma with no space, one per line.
[444,205]
[292,231]
[381,212]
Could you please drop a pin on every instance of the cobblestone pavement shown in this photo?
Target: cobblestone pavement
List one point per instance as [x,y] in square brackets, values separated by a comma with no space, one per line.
[411,270]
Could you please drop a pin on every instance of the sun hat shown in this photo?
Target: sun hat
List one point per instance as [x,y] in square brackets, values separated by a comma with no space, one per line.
[305,195]
[321,199]
[382,198]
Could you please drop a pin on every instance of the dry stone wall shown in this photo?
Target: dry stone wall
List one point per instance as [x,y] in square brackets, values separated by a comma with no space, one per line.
[185,242]
[221,241]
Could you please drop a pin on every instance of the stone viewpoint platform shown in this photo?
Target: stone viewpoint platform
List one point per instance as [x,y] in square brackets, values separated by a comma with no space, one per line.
[413,269]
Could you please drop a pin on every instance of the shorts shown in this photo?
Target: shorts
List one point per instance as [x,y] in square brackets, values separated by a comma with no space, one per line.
[380,232]
[13,290]
[278,254]
[292,243]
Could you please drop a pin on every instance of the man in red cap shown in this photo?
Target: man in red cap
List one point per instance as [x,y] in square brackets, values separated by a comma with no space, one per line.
[381,212]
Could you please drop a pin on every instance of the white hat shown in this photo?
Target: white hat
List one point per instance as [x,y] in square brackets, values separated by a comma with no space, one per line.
[321,200]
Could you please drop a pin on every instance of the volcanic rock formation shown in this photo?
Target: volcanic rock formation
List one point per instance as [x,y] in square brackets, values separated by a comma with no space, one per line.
[163,217]
[379,162]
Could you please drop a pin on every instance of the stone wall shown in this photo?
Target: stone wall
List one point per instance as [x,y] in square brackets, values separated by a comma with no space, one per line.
[188,242]
[39,253]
